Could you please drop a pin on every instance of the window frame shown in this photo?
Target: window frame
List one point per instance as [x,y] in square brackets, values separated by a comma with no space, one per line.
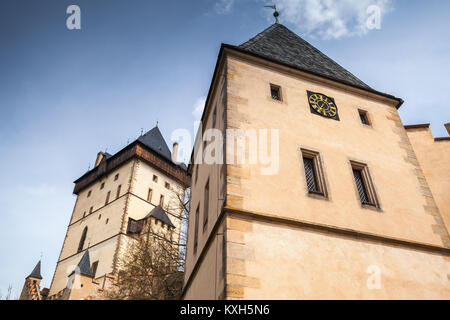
[149,195]
[364,114]
[368,184]
[319,175]
[279,92]
[197,217]
[206,205]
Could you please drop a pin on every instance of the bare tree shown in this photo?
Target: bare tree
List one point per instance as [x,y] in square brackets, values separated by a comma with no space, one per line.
[153,264]
[9,292]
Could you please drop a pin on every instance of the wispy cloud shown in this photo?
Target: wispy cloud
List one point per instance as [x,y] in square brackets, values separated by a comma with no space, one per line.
[198,108]
[330,19]
[224,6]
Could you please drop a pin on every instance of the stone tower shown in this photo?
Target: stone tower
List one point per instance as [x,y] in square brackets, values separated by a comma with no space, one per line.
[123,187]
[338,208]
[31,288]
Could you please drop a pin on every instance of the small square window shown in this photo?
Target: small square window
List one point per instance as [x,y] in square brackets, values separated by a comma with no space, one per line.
[275,92]
[315,181]
[364,184]
[364,117]
[102,186]
[167,185]
[155,178]
[116,177]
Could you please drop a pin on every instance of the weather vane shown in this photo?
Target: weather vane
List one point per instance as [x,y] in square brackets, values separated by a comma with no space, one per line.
[276,13]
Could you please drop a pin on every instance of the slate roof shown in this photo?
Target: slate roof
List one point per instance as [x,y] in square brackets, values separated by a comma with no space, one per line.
[281,44]
[36,273]
[85,265]
[159,213]
[155,141]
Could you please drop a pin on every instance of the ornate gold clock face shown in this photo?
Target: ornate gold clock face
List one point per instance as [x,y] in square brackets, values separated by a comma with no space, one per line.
[323,105]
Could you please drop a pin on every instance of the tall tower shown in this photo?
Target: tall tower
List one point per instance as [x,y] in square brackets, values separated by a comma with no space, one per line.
[338,206]
[31,288]
[123,187]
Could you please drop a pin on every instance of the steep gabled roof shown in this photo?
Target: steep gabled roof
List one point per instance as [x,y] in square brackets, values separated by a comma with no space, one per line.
[36,273]
[155,141]
[281,44]
[159,213]
[84,266]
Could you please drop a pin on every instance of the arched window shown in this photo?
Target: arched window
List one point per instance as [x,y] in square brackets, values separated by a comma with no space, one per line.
[83,237]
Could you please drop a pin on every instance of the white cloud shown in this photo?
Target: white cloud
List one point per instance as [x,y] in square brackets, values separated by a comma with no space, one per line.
[40,190]
[330,19]
[223,6]
[198,108]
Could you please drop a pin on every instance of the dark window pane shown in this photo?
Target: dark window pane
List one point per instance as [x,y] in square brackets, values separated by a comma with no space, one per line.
[275,92]
[360,185]
[196,229]
[364,118]
[311,180]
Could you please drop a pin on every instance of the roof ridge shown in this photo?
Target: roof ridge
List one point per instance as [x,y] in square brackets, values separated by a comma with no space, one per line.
[279,43]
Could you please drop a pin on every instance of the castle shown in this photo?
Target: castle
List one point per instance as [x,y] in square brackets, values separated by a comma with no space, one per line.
[357,208]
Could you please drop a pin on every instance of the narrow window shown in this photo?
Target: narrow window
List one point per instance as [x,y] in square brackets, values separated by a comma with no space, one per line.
[89,193]
[197,212]
[94,268]
[107,220]
[118,191]
[107,197]
[206,206]
[83,238]
[167,185]
[315,181]
[161,200]
[364,117]
[196,173]
[84,214]
[99,216]
[116,177]
[214,117]
[275,92]
[102,186]
[149,195]
[91,209]
[155,178]
[364,184]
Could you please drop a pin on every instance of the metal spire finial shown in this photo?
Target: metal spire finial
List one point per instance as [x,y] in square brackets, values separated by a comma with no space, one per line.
[276,14]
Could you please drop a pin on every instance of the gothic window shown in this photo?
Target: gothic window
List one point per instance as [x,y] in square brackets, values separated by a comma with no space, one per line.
[83,238]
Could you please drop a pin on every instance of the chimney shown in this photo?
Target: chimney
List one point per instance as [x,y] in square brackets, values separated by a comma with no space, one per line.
[175,152]
[447,126]
[99,159]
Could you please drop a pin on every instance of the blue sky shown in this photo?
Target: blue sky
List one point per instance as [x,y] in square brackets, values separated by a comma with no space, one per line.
[67,94]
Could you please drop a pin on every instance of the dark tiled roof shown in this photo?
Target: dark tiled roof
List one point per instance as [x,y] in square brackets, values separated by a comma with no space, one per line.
[155,141]
[281,44]
[85,265]
[159,213]
[36,273]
